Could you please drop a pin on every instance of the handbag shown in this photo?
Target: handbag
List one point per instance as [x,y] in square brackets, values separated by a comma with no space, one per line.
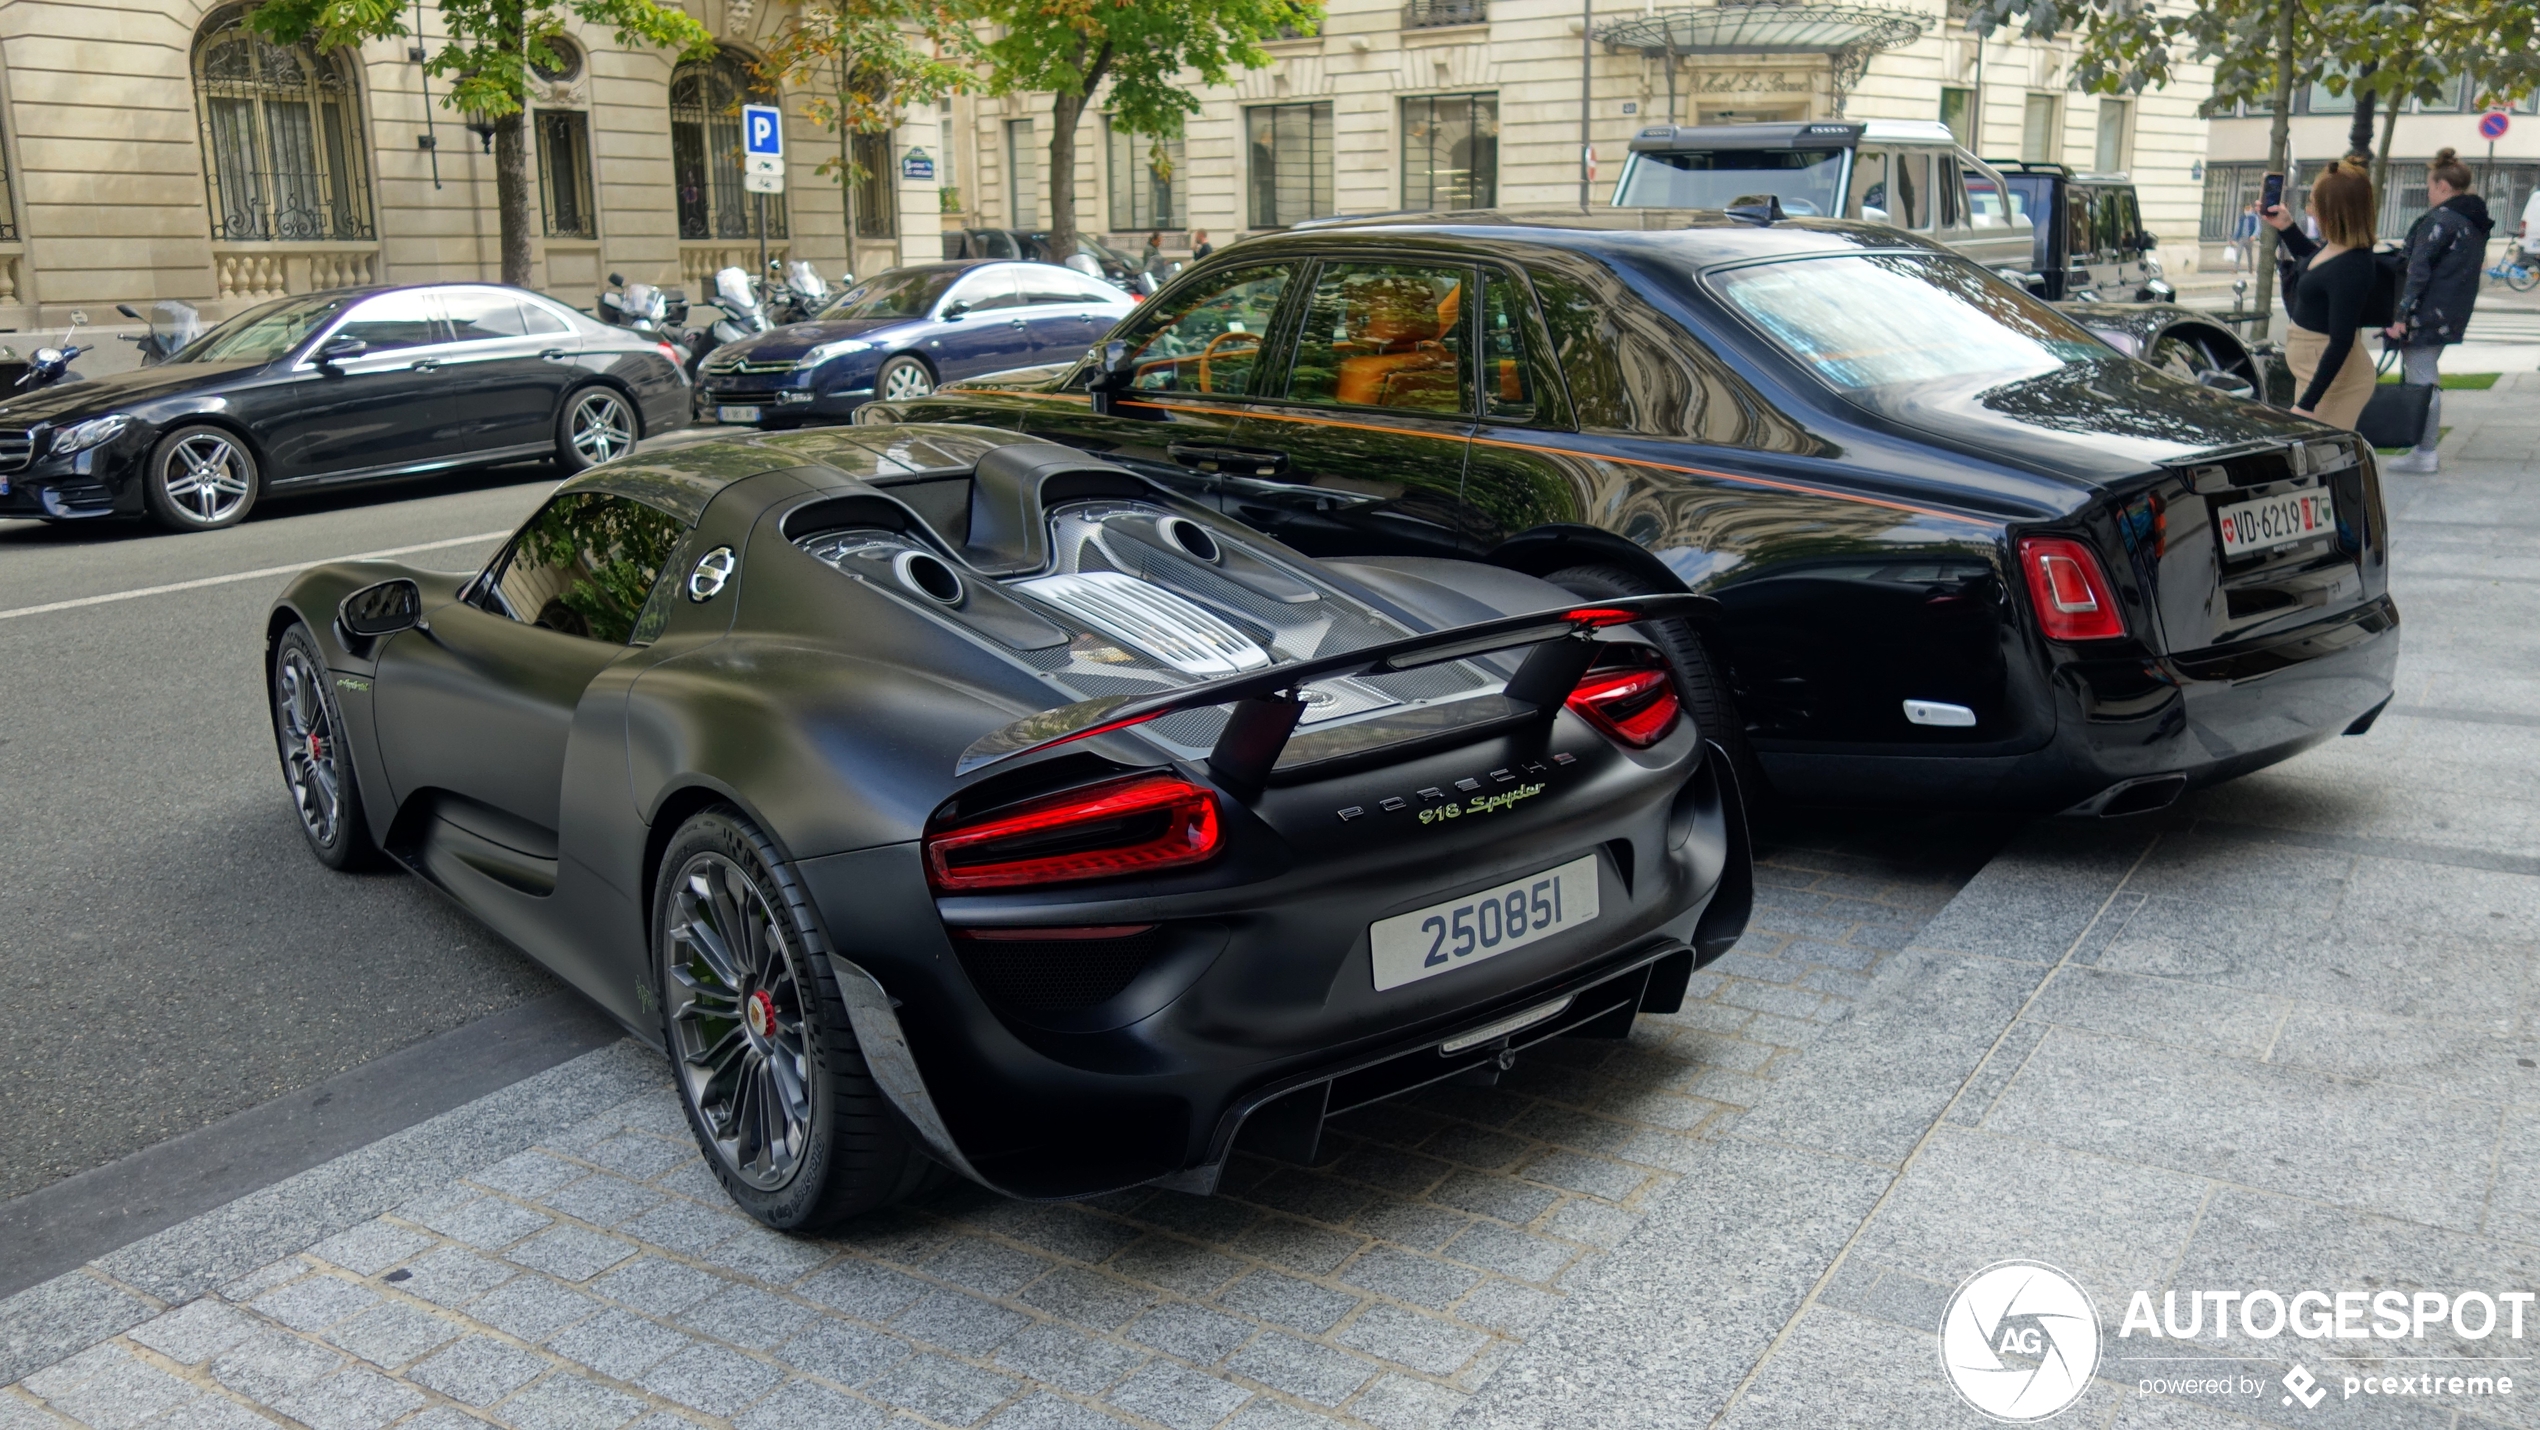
[2395,414]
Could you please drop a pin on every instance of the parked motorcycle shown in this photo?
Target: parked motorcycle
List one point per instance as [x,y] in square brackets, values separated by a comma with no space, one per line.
[173,327]
[641,307]
[800,294]
[51,364]
[736,300]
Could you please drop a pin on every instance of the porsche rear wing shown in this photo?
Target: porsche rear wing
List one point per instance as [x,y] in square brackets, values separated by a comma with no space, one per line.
[1267,702]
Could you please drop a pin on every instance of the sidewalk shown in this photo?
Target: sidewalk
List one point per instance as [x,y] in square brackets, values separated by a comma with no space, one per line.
[2282,1037]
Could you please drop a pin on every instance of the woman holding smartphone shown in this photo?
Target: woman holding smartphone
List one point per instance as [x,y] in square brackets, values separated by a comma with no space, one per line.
[2324,294]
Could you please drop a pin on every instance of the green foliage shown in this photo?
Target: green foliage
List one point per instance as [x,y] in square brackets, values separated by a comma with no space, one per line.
[2125,46]
[491,43]
[1143,47]
[861,61]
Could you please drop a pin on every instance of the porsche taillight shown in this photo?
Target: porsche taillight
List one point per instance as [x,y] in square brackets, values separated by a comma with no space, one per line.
[2073,599]
[1636,706]
[1137,825]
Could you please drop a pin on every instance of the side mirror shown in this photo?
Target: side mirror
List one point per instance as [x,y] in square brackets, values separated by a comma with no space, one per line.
[954,311]
[381,610]
[615,281]
[339,349]
[1113,372]
[2146,242]
[127,311]
[79,317]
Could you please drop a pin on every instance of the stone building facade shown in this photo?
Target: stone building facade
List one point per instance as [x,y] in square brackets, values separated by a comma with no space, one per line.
[154,149]
[1451,102]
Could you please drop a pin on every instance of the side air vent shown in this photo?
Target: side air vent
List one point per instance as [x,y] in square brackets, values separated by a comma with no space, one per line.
[1151,620]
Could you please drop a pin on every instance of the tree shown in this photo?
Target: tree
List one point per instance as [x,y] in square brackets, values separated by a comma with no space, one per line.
[1070,48]
[872,58]
[2263,50]
[487,57]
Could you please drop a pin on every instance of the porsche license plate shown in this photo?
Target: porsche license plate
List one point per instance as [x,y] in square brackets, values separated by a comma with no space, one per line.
[736,414]
[1483,924]
[2270,522]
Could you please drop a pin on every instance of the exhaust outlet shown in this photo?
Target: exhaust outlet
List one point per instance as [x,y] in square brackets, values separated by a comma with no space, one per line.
[2127,797]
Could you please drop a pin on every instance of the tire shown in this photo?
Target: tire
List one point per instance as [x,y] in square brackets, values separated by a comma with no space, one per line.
[903,378]
[2520,278]
[201,478]
[1698,681]
[767,1064]
[597,424]
[317,764]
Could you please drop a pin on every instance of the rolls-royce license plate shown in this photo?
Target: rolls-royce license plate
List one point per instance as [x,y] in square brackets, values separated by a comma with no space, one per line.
[2270,522]
[1483,924]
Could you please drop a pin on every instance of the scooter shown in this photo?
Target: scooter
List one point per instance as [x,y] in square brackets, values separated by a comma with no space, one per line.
[637,306]
[158,345]
[49,365]
[801,295]
[737,300]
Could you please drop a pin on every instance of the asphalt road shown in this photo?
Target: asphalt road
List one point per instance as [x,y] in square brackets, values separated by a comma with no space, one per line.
[174,954]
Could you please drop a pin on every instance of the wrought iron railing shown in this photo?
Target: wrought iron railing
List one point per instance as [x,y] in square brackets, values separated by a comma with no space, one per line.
[1432,14]
[284,157]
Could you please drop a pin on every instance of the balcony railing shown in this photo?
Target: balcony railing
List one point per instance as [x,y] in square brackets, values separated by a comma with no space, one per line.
[1432,14]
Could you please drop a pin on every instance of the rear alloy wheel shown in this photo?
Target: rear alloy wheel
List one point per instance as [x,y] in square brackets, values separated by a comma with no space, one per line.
[903,378]
[596,426]
[317,766]
[767,1063]
[201,479]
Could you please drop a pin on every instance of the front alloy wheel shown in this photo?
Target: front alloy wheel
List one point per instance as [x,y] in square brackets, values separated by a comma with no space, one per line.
[598,427]
[201,478]
[312,753]
[736,1014]
[903,378]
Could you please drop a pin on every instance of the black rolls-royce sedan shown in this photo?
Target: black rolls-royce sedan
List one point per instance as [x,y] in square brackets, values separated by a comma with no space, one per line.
[342,386]
[1966,552]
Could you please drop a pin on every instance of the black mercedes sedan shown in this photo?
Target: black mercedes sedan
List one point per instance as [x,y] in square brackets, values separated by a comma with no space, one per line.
[342,386]
[1967,553]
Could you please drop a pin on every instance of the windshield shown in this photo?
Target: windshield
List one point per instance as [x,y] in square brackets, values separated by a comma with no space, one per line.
[1868,322]
[263,334]
[901,293]
[1808,181]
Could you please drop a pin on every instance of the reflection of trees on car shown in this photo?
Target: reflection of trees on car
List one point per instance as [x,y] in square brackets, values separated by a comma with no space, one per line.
[1630,370]
[605,553]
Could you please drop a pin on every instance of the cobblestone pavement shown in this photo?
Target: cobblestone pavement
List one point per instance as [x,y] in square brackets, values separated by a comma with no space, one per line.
[602,1277]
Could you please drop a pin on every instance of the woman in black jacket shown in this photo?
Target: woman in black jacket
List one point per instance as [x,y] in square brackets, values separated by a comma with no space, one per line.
[2446,249]
[2324,293]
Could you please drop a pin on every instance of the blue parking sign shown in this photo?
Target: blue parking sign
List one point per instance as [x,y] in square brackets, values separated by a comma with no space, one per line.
[762,130]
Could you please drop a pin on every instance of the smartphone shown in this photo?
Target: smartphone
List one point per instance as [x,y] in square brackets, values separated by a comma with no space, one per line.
[2271,193]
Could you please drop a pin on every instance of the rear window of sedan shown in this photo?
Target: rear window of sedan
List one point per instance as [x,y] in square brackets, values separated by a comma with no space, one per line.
[1867,322]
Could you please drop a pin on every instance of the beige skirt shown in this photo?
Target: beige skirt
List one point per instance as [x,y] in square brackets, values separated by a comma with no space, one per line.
[2343,404]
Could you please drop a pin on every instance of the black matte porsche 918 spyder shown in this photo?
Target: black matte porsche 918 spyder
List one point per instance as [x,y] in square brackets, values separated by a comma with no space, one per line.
[943,799]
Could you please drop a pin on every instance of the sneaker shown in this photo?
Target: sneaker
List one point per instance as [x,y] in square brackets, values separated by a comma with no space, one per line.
[2420,460]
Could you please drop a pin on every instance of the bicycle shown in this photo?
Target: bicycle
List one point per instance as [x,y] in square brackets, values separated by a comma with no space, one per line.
[2518,272]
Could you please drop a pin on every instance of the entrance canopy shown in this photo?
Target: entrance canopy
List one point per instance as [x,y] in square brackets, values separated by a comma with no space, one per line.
[1846,34]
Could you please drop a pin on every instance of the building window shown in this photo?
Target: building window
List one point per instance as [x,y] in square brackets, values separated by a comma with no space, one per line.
[705,150]
[564,173]
[1430,14]
[2109,156]
[1291,163]
[877,194]
[2041,139]
[282,138]
[1146,182]
[1450,151]
[1022,176]
[1958,111]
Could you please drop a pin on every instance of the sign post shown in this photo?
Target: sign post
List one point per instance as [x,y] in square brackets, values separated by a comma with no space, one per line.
[763,164]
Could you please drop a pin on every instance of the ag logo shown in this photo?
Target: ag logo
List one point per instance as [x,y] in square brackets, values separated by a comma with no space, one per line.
[2019,1341]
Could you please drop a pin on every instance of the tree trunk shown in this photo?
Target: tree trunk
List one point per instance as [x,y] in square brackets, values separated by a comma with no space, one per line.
[2279,142]
[514,195]
[1066,112]
[2381,154]
[846,162]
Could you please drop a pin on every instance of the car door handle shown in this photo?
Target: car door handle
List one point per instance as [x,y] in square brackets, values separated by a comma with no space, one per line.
[426,364]
[1017,323]
[553,354]
[1233,461]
